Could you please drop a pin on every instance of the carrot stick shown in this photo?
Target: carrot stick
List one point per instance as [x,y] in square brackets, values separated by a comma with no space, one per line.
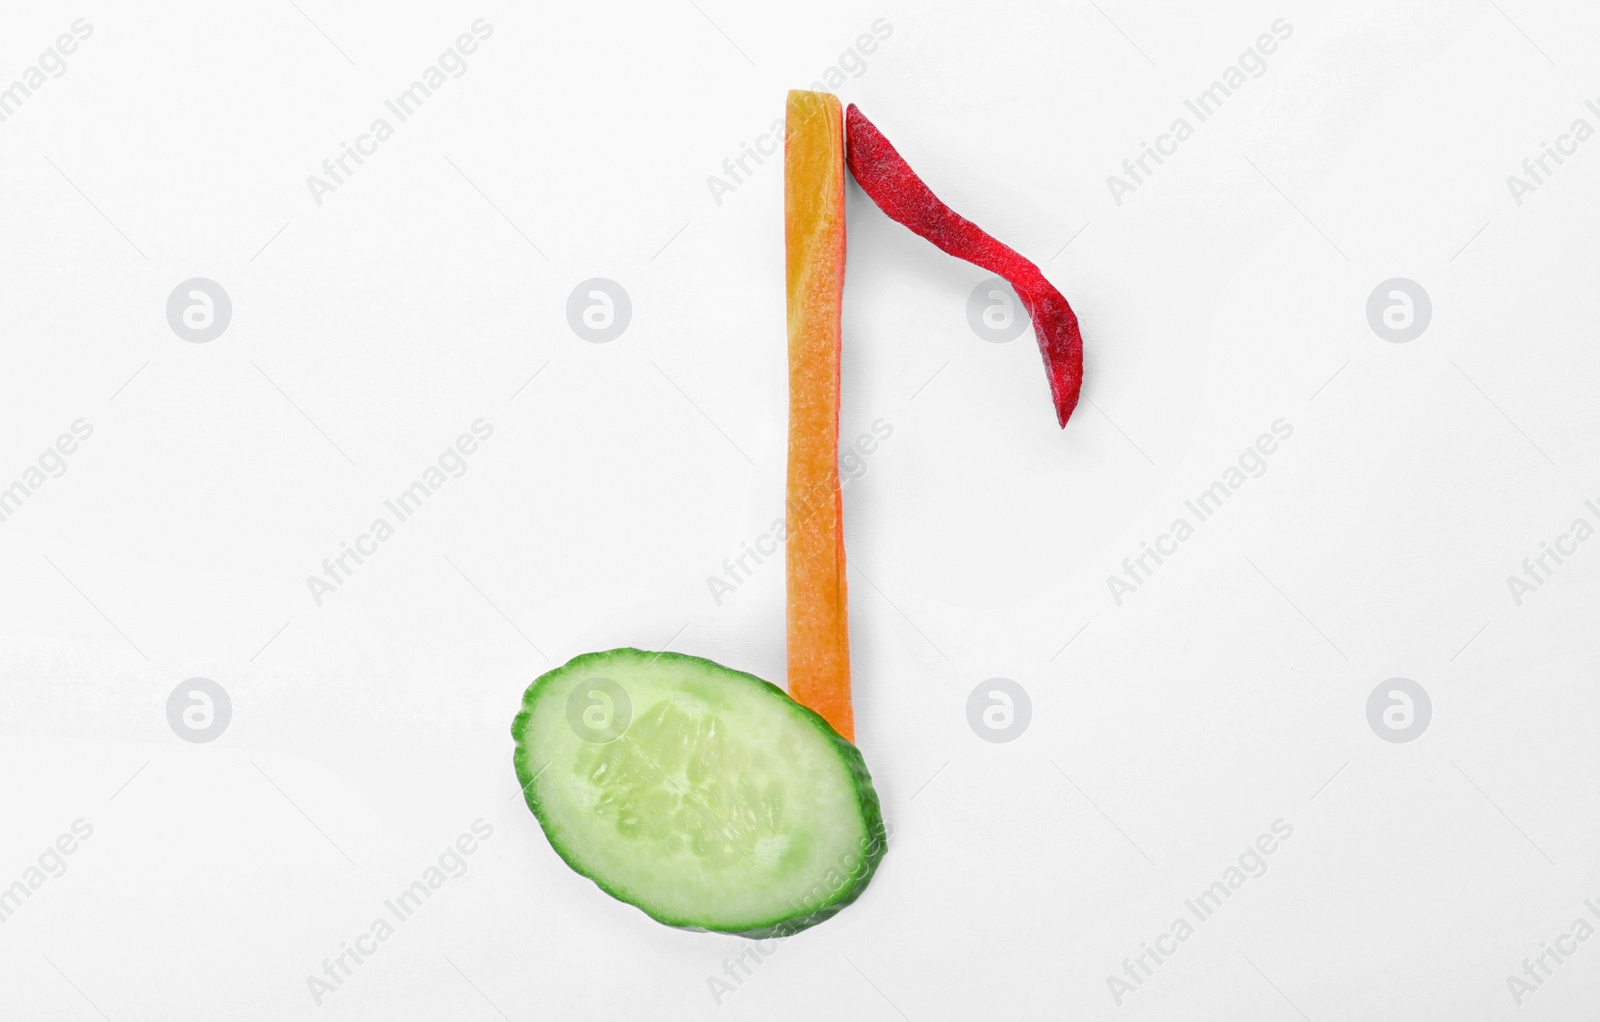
[813,215]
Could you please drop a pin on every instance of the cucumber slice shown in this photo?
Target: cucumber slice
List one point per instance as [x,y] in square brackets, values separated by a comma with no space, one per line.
[702,795]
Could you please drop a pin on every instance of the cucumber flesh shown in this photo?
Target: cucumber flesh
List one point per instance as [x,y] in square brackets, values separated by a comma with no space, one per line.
[702,795]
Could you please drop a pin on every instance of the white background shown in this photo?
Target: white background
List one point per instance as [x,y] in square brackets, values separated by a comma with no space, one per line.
[1229,691]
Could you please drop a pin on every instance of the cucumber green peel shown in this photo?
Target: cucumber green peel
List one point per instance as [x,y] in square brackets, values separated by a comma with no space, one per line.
[704,796]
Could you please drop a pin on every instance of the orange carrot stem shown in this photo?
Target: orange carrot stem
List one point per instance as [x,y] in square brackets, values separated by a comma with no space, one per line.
[813,214]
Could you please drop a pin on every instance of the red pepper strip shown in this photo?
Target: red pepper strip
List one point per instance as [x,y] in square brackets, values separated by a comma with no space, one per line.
[901,194]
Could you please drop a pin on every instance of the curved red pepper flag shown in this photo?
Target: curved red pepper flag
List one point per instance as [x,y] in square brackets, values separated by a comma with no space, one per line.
[900,193]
